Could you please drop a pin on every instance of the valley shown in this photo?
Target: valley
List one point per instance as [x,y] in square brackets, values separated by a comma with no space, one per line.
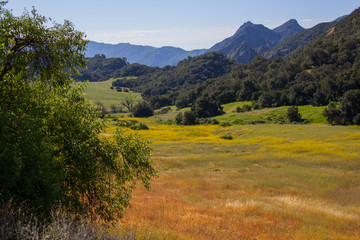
[270,181]
[256,137]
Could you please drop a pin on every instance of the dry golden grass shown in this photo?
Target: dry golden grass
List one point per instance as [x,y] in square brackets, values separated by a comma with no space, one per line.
[269,182]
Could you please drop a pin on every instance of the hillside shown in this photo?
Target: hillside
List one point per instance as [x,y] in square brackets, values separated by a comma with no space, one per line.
[170,81]
[99,68]
[296,41]
[322,71]
[147,55]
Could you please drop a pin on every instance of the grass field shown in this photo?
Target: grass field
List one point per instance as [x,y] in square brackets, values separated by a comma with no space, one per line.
[270,181]
[309,113]
[101,92]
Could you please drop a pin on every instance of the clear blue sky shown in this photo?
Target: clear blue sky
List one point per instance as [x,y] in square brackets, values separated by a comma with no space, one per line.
[189,24]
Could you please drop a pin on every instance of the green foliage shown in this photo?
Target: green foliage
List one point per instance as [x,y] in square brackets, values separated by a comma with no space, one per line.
[332,114]
[186,118]
[206,107]
[140,126]
[170,81]
[50,150]
[142,109]
[99,68]
[348,110]
[244,108]
[293,114]
[226,137]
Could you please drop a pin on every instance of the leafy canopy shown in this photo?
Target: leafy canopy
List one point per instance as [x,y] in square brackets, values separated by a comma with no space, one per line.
[50,149]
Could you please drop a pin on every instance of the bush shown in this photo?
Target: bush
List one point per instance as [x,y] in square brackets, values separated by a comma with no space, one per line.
[140,126]
[226,137]
[225,124]
[207,121]
[244,108]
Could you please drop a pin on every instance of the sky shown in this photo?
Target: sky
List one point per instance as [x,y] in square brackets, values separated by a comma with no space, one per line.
[188,24]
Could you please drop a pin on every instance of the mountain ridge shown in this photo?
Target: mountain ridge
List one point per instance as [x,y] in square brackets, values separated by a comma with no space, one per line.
[249,41]
[258,38]
[147,55]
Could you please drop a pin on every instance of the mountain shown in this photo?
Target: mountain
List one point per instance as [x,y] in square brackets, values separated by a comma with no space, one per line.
[298,40]
[326,69]
[288,29]
[147,55]
[254,39]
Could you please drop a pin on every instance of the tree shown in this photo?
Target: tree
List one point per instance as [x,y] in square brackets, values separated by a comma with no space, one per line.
[142,109]
[293,114]
[128,104]
[186,118]
[205,107]
[50,149]
[332,114]
[350,106]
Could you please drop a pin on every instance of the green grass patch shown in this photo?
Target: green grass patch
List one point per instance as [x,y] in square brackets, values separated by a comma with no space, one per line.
[102,92]
[269,115]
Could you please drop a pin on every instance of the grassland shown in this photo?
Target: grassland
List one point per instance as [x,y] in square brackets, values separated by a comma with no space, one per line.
[270,181]
[101,92]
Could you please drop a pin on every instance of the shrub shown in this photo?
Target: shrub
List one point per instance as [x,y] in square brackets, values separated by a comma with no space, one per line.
[225,124]
[226,137]
[244,108]
[140,126]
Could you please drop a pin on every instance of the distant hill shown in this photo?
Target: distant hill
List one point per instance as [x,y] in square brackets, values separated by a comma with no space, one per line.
[99,68]
[150,56]
[251,40]
[169,81]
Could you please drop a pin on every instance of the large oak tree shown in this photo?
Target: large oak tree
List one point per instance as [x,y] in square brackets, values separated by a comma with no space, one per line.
[50,149]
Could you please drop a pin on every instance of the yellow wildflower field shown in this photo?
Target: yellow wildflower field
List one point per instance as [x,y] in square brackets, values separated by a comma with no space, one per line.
[268,182]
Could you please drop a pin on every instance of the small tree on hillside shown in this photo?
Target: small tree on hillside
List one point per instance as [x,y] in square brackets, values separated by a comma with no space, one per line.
[205,107]
[186,118]
[293,114]
[348,111]
[128,104]
[142,109]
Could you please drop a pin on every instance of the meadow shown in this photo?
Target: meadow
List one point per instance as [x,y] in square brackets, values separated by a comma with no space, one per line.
[101,92]
[270,181]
